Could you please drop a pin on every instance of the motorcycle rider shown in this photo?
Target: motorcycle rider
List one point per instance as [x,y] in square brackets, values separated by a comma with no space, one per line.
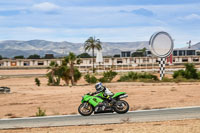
[106,93]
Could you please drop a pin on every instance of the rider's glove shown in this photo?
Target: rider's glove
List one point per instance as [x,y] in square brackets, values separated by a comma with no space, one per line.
[109,98]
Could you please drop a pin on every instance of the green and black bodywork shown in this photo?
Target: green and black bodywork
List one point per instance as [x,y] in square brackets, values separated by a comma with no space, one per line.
[99,104]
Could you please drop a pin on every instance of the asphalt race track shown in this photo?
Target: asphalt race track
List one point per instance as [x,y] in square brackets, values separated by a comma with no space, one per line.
[133,116]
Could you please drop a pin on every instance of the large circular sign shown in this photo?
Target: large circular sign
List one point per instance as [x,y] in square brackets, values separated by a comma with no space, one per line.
[161,44]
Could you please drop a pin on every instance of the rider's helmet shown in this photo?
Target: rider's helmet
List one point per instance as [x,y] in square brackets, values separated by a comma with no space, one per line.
[99,87]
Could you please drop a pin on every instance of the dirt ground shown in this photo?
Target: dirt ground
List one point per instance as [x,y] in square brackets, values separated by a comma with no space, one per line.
[23,71]
[184,126]
[26,97]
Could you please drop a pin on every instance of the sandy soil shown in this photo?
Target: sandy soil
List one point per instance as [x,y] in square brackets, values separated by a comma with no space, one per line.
[23,71]
[26,97]
[184,126]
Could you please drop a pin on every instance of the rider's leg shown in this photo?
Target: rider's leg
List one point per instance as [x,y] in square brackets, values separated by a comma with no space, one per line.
[111,100]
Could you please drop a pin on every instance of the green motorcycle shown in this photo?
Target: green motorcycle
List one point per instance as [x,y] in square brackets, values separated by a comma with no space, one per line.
[99,104]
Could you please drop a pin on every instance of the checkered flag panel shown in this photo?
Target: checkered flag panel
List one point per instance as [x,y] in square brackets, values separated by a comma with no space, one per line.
[162,67]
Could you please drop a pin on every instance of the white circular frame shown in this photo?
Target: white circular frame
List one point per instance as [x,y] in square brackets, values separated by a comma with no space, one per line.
[157,48]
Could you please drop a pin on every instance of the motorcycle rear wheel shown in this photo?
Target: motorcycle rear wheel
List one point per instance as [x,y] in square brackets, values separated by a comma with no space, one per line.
[85,111]
[121,107]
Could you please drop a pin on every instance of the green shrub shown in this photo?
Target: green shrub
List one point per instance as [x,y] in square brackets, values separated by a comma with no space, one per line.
[87,78]
[103,80]
[148,76]
[53,81]
[50,79]
[91,79]
[41,112]
[108,76]
[198,75]
[77,75]
[179,73]
[37,81]
[189,73]
[133,76]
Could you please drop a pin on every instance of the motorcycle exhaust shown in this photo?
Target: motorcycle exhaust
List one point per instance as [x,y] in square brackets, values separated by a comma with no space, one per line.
[123,96]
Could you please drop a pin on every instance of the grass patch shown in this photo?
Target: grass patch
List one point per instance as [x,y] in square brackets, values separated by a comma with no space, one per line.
[40,112]
[108,129]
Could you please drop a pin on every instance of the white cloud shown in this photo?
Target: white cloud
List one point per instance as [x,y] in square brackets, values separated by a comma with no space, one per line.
[25,33]
[37,30]
[45,6]
[192,16]
[77,23]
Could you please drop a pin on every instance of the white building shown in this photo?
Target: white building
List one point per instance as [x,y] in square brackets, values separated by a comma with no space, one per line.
[114,63]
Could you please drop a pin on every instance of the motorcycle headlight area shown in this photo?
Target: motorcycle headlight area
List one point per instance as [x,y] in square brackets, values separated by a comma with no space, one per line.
[82,98]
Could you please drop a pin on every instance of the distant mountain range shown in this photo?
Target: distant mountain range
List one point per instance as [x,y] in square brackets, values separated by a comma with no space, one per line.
[11,48]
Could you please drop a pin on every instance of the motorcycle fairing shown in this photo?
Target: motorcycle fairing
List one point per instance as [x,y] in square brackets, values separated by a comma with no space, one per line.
[93,100]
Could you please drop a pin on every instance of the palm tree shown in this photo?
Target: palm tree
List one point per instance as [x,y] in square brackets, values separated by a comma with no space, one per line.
[92,43]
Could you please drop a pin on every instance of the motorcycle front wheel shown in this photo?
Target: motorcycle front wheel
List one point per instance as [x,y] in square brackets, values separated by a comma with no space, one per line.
[121,107]
[85,109]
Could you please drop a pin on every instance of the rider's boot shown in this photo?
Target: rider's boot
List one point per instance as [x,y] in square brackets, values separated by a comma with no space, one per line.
[112,101]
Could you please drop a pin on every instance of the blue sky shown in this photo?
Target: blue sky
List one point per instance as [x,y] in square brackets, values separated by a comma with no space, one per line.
[108,20]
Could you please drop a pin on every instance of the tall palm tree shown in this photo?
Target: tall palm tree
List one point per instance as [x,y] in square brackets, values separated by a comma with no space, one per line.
[92,43]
